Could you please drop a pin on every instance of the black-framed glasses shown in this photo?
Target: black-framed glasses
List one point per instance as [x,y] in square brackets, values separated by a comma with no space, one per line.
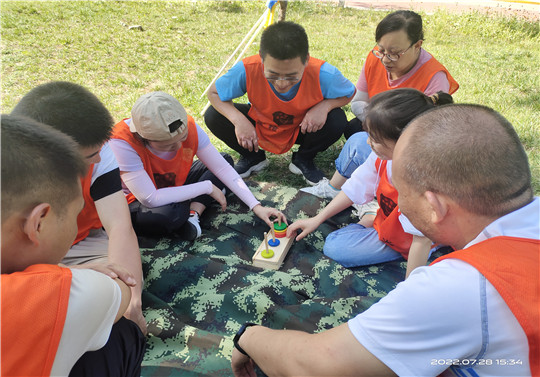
[391,57]
[287,79]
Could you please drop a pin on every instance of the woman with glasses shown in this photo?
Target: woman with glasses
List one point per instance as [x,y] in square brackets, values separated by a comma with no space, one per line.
[397,61]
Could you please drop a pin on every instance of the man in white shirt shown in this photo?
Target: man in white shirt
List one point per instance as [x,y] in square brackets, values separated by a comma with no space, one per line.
[463,180]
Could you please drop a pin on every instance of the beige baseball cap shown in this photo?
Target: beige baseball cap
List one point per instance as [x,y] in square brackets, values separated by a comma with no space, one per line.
[153,113]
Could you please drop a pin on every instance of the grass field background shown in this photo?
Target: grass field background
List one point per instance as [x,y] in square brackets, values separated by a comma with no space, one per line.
[183,44]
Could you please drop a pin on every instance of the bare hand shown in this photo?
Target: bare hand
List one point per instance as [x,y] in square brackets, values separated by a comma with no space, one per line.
[246,135]
[307,226]
[112,270]
[268,215]
[218,195]
[134,313]
[242,365]
[314,119]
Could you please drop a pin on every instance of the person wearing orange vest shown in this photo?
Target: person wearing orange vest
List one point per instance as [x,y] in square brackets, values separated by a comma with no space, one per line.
[166,189]
[397,61]
[294,99]
[53,316]
[390,236]
[463,180]
[105,234]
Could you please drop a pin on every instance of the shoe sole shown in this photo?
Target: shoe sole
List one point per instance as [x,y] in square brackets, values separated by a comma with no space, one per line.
[255,168]
[295,170]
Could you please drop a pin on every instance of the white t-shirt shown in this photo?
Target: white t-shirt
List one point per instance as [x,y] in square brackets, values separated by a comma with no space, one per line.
[94,300]
[361,188]
[449,314]
[107,163]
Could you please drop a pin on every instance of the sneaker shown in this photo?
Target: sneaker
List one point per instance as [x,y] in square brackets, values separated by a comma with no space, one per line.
[366,209]
[307,168]
[323,190]
[251,164]
[192,228]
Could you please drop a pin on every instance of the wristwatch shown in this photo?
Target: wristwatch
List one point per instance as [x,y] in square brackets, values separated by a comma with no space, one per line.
[239,334]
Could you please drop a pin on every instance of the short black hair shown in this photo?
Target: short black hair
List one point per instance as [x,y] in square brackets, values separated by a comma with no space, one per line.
[471,154]
[39,165]
[406,20]
[70,108]
[285,40]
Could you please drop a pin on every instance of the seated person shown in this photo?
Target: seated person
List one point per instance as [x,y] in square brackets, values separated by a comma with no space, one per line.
[388,235]
[166,189]
[52,315]
[397,61]
[294,99]
[463,180]
[105,234]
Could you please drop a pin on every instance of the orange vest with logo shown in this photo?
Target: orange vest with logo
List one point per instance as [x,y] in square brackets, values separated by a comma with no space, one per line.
[377,77]
[164,173]
[276,121]
[387,222]
[34,307]
[88,218]
[512,266]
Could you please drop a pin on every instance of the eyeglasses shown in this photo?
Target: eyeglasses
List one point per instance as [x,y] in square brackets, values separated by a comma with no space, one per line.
[287,79]
[391,57]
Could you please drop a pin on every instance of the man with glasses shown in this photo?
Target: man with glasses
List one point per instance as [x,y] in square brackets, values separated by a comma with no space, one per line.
[294,99]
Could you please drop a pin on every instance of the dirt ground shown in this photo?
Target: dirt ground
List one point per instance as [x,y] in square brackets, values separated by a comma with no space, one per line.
[529,10]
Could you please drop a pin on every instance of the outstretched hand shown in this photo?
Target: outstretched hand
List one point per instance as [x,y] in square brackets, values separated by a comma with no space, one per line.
[269,215]
[307,226]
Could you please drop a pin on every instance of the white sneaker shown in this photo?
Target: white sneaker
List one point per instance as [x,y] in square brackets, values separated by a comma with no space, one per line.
[366,209]
[322,190]
[192,228]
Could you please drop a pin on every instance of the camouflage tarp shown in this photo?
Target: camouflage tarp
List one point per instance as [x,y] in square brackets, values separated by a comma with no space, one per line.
[198,294]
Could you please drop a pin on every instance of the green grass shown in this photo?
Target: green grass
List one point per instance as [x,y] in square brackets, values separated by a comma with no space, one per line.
[184,43]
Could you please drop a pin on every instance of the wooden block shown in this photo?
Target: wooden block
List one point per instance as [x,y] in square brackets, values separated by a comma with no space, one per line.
[280,252]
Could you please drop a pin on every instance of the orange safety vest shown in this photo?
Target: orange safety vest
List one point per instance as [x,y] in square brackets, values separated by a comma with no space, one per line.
[386,221]
[34,308]
[377,77]
[276,121]
[164,173]
[88,218]
[512,266]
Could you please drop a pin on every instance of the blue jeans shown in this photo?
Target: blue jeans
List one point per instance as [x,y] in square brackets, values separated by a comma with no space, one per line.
[355,245]
[355,151]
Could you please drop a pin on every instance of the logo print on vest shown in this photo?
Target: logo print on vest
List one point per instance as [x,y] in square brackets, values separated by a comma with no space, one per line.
[387,205]
[165,180]
[280,118]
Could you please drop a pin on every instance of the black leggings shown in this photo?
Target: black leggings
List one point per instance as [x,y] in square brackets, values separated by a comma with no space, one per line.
[310,143]
[167,219]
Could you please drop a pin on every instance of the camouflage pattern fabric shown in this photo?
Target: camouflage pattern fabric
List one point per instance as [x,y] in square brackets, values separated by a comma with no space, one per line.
[198,294]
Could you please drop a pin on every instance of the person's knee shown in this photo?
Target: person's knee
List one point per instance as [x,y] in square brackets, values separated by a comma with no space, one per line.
[228,158]
[210,117]
[160,221]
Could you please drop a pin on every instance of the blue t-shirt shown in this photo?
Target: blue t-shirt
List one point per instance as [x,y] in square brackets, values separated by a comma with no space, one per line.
[333,84]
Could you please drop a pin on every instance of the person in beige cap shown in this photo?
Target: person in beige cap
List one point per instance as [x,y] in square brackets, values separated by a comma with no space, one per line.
[166,189]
